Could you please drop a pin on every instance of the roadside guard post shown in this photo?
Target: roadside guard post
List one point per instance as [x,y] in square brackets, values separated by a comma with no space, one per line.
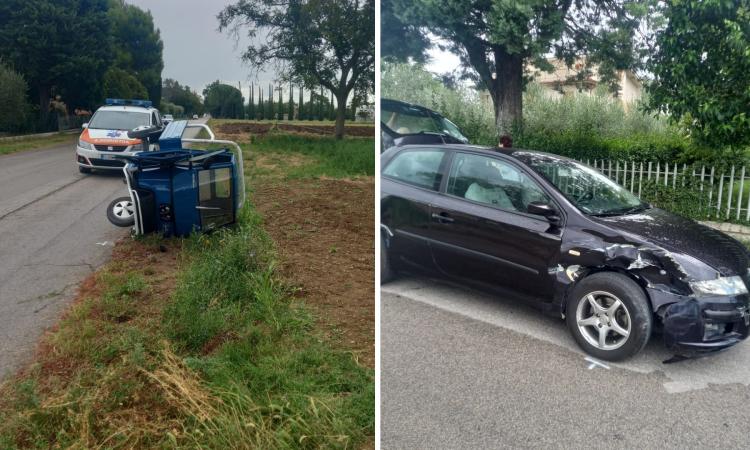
[176,191]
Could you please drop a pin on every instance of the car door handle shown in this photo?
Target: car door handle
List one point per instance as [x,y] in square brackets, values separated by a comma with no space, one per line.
[442,217]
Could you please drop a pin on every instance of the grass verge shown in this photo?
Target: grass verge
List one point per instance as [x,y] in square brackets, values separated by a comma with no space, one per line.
[196,347]
[299,156]
[37,143]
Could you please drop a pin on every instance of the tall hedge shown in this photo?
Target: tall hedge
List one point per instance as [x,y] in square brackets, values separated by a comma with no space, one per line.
[14,108]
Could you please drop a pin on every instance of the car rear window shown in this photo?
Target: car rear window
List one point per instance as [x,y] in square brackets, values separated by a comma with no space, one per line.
[118,120]
[417,167]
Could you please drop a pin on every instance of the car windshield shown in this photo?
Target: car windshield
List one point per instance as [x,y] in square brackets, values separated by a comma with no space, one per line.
[410,120]
[588,189]
[118,120]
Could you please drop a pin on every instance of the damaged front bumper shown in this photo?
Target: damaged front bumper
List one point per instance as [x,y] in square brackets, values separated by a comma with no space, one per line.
[697,325]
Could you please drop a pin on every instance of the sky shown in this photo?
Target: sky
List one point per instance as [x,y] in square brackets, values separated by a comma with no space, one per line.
[195,52]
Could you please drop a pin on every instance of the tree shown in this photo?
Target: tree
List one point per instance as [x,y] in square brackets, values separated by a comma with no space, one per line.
[183,96]
[61,46]
[251,103]
[280,109]
[118,83]
[290,111]
[137,46]
[14,108]
[328,43]
[224,101]
[400,41]
[496,39]
[702,69]
[301,104]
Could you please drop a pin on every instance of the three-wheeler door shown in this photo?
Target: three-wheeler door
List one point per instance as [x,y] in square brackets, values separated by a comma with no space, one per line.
[215,197]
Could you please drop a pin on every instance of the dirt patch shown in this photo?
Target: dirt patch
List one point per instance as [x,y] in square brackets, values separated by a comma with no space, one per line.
[328,130]
[324,231]
[245,127]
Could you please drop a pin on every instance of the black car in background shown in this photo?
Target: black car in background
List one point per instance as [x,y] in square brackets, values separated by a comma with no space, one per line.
[544,228]
[404,124]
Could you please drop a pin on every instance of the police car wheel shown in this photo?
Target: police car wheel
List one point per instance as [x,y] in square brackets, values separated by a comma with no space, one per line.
[121,212]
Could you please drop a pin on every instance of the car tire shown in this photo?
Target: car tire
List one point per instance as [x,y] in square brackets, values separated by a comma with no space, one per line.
[386,269]
[614,326]
[84,169]
[121,212]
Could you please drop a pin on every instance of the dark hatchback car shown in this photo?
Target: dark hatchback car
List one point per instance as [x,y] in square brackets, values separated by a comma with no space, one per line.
[548,229]
[408,124]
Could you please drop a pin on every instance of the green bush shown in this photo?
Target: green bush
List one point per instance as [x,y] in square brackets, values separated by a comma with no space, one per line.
[579,126]
[14,109]
[463,106]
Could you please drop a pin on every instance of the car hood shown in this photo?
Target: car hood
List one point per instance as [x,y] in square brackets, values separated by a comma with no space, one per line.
[108,137]
[677,234]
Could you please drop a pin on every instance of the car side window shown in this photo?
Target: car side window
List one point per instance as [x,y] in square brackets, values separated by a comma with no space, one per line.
[155,119]
[418,167]
[493,182]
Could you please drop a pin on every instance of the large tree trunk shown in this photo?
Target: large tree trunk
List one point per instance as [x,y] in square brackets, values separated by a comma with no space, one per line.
[508,98]
[340,114]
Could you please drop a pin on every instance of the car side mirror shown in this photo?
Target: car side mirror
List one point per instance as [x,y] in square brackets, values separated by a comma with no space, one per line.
[543,209]
[85,125]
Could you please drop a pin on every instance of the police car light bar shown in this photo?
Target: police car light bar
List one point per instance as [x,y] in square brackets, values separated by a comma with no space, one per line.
[130,102]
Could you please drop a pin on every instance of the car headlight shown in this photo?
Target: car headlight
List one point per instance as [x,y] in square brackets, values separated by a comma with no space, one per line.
[719,286]
[85,145]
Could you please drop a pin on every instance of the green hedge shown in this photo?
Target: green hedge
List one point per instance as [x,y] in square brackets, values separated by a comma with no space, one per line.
[637,147]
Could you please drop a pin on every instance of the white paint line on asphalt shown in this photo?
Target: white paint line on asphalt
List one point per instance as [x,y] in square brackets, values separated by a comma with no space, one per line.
[729,367]
[103,243]
[593,363]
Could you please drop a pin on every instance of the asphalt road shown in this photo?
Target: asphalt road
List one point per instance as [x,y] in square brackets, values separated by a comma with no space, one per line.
[462,369]
[53,233]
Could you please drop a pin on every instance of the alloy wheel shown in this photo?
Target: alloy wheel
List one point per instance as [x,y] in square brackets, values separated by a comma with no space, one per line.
[603,320]
[123,209]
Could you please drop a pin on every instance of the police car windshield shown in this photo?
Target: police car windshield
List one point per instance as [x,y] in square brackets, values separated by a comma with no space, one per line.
[118,120]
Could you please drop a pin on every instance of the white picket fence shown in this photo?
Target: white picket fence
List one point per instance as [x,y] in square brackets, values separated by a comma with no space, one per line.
[723,191]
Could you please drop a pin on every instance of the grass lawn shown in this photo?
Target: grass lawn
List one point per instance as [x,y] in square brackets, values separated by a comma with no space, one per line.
[23,144]
[200,343]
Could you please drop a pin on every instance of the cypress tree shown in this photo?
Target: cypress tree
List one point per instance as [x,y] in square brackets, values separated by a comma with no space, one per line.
[301,104]
[261,112]
[280,115]
[290,113]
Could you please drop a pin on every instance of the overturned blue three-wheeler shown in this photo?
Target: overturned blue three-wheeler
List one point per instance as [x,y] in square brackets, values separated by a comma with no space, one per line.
[176,191]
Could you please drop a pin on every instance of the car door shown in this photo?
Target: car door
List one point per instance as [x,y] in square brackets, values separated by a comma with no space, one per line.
[481,232]
[410,183]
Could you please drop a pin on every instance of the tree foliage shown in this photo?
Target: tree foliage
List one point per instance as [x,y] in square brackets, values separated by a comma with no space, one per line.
[223,101]
[13,105]
[328,43]
[182,96]
[137,46]
[496,39]
[60,47]
[119,83]
[702,69]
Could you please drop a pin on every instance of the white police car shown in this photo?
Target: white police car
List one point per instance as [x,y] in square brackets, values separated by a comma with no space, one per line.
[106,135]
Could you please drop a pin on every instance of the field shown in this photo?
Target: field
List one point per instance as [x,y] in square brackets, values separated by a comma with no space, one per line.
[256,336]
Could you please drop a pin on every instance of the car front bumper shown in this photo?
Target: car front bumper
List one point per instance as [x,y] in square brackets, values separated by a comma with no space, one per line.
[694,326]
[95,159]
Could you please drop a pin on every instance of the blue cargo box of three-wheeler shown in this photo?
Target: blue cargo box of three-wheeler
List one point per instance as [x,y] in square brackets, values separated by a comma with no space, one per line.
[176,191]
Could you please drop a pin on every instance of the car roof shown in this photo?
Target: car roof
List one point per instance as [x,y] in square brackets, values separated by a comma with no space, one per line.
[511,152]
[398,104]
[128,108]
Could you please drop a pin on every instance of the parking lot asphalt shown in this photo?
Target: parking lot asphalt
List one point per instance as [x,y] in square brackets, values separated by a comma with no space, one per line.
[53,233]
[463,369]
